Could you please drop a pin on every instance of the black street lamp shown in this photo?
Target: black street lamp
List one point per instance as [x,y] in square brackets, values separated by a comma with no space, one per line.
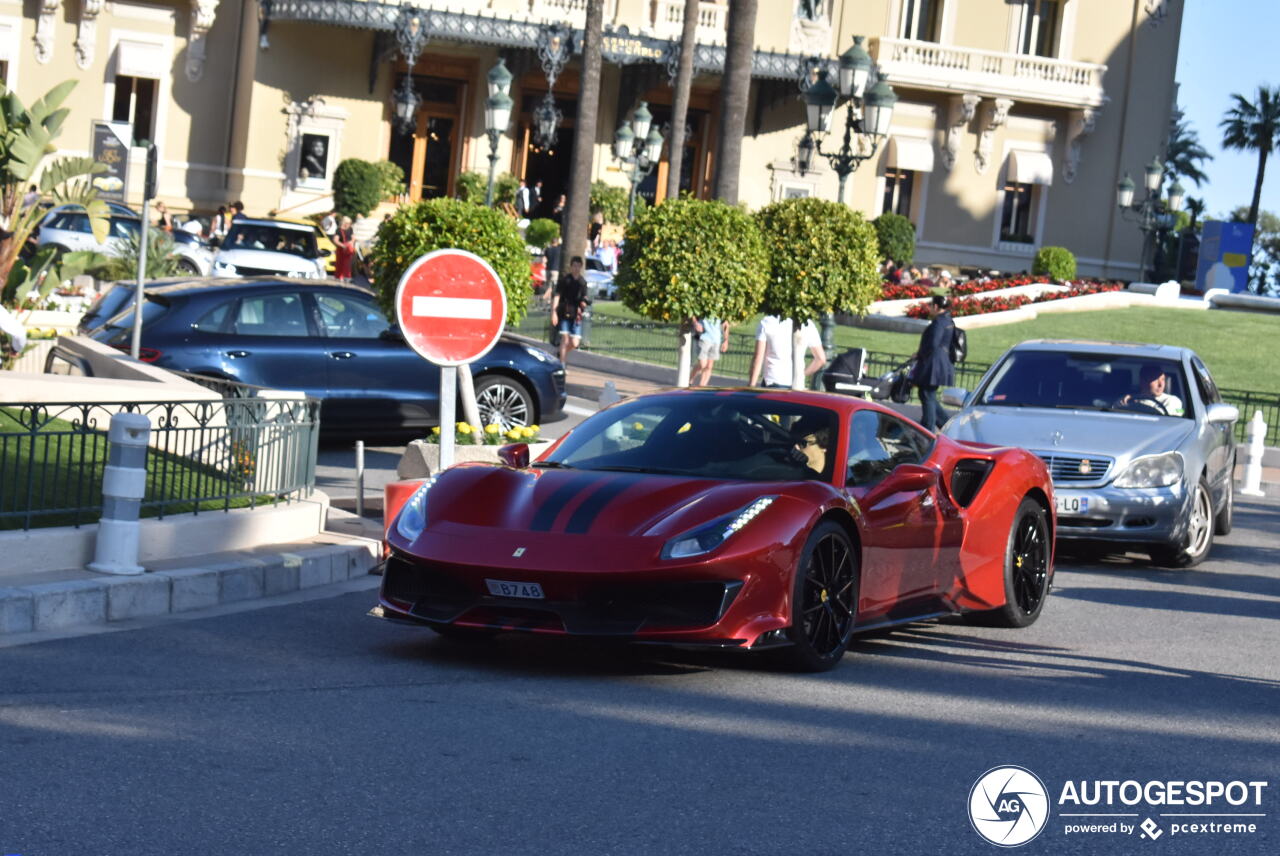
[638,148]
[411,38]
[868,114]
[497,115]
[1153,214]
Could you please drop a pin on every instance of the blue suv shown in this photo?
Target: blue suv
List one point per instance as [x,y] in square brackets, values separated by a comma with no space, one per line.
[333,342]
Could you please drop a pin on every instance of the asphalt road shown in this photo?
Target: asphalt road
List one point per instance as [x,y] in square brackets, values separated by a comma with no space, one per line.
[309,728]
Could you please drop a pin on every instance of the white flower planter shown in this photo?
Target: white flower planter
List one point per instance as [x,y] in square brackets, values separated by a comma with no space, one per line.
[422,459]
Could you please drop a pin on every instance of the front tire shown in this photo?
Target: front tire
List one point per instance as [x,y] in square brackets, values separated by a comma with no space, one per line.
[1026,568]
[1199,535]
[188,268]
[504,400]
[1223,520]
[824,600]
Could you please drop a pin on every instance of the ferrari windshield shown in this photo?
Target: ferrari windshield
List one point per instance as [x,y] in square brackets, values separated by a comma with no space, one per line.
[1084,381]
[714,435]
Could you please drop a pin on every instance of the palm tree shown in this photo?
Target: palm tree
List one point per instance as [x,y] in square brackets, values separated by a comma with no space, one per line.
[680,103]
[1195,210]
[736,89]
[1253,127]
[578,203]
[1184,154]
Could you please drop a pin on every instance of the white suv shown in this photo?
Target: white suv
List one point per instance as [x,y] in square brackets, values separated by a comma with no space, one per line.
[270,248]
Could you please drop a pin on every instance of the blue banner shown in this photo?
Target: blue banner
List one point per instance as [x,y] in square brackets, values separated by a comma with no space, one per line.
[1225,251]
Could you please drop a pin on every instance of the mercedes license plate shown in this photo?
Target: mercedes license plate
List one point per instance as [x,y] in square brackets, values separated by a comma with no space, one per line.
[505,588]
[1072,504]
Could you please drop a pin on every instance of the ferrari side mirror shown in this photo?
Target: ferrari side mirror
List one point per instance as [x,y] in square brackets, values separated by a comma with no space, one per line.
[911,477]
[515,455]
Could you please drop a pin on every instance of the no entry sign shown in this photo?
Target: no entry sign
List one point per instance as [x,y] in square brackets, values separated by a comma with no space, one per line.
[451,307]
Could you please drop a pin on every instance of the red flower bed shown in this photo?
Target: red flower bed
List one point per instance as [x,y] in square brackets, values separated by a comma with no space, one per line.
[895,291]
[982,305]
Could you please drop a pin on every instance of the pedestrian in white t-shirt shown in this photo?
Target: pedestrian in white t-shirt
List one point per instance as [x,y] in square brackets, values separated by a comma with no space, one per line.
[771,366]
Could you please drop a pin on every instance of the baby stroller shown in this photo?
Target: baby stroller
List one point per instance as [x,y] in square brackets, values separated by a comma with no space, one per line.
[846,374]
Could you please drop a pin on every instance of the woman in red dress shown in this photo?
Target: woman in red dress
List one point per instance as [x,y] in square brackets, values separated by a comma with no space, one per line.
[344,242]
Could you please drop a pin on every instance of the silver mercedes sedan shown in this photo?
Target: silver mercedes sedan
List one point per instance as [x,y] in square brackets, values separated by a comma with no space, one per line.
[1140,446]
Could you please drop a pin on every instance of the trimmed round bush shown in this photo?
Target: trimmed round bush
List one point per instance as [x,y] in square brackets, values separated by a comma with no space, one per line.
[693,257]
[541,232]
[471,186]
[896,237]
[612,201]
[357,187]
[435,224]
[823,257]
[1057,263]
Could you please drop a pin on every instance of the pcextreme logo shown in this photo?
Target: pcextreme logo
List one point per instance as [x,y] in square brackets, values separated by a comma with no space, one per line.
[1008,806]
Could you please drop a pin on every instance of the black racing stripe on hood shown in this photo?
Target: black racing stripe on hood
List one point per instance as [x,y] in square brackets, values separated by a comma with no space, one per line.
[586,513]
[550,509]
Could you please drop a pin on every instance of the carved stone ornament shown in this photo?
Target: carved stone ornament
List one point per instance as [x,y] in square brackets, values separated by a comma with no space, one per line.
[997,113]
[44,29]
[202,15]
[1082,125]
[87,31]
[963,109]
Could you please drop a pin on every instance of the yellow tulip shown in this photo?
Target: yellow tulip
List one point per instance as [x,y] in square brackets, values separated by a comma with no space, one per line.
[492,428]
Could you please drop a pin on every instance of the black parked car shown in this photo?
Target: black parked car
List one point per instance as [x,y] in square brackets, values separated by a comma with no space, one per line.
[333,342]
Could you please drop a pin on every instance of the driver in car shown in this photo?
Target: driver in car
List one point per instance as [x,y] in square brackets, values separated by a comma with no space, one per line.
[812,441]
[1151,392]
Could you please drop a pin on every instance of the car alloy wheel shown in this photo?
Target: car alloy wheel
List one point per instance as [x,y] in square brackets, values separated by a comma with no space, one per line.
[1199,534]
[825,599]
[504,401]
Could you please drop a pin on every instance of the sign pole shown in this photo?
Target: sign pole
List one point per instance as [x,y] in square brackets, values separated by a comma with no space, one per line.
[448,413]
[144,238]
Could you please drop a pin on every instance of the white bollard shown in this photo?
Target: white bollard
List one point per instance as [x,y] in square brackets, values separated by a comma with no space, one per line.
[124,481]
[609,395]
[1253,460]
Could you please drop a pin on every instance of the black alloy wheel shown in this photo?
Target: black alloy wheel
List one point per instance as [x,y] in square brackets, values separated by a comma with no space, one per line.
[825,599]
[1026,569]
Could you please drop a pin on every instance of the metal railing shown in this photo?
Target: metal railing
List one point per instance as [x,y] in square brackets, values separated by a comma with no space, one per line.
[204,456]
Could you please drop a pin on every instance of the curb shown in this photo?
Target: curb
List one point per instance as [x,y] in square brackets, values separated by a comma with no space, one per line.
[94,600]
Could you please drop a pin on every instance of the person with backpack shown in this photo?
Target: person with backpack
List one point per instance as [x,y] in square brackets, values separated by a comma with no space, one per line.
[933,362]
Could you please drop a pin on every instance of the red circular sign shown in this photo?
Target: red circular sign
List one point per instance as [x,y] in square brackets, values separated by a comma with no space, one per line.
[451,307]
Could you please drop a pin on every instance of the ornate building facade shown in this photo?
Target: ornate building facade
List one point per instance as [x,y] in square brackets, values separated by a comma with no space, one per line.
[1015,119]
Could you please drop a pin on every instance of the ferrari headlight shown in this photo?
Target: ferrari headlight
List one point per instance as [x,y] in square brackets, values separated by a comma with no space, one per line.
[413,514]
[707,537]
[1152,471]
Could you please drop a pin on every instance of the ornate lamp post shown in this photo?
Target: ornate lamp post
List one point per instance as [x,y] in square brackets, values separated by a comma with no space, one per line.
[638,148]
[554,45]
[868,114]
[411,38]
[1153,214]
[497,115]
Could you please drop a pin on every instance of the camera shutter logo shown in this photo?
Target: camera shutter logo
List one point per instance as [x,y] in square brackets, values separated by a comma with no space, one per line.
[1008,806]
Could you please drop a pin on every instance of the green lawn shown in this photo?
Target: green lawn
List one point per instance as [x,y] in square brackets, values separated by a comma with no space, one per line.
[68,464]
[1240,348]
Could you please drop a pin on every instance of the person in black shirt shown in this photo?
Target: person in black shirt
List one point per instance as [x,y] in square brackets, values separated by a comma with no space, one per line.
[567,307]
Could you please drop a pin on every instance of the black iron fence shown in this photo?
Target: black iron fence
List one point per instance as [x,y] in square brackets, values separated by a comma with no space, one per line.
[656,342]
[203,455]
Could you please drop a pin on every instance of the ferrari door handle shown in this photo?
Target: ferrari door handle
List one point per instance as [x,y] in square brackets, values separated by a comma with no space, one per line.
[341,355]
[235,355]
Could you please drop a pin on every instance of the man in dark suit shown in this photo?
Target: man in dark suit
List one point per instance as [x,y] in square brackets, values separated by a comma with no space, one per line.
[524,200]
[933,362]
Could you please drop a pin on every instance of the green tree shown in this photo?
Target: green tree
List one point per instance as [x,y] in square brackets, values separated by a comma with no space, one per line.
[392,183]
[693,258]
[357,187]
[823,257]
[1264,270]
[897,238]
[541,232]
[611,201]
[471,187]
[1253,126]
[417,229]
[1184,154]
[27,137]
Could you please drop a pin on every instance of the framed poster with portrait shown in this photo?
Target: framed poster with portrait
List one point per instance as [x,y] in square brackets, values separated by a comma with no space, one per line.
[315,148]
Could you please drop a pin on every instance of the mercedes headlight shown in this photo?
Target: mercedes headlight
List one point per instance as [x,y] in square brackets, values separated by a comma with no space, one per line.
[707,537]
[412,518]
[1152,471]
